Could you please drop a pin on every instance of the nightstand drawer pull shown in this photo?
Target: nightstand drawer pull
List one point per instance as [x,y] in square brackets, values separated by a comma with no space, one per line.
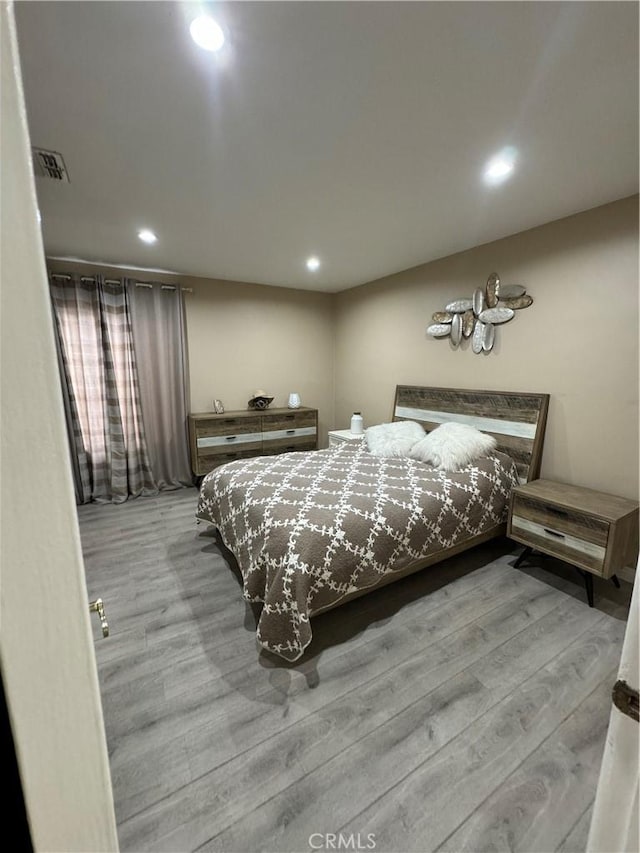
[231,437]
[553,533]
[291,432]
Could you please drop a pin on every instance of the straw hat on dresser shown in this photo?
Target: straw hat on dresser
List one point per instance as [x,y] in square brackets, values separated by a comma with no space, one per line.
[260,400]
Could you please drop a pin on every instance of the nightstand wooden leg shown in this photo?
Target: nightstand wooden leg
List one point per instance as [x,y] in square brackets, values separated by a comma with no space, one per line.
[588,585]
[615,580]
[526,553]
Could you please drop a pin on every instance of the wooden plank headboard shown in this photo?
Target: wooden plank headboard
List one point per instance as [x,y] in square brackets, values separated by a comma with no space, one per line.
[516,420]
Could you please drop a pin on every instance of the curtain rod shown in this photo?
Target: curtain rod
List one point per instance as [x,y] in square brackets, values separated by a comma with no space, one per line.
[86,278]
[92,278]
[119,281]
[163,286]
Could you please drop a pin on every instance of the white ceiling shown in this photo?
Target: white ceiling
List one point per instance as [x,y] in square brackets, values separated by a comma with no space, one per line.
[355,131]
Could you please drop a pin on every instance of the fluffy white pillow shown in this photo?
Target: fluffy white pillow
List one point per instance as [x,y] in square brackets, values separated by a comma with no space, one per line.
[394,439]
[453,446]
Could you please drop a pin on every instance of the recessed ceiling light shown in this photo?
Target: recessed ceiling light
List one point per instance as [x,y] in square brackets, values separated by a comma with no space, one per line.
[147,236]
[206,33]
[500,167]
[313,264]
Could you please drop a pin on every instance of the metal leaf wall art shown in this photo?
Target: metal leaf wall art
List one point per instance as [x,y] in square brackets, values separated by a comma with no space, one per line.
[477,318]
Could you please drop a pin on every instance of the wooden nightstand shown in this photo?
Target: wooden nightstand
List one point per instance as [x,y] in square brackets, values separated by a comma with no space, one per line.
[594,531]
[339,436]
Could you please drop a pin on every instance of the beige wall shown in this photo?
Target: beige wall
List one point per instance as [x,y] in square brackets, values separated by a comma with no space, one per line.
[578,341]
[46,644]
[245,337]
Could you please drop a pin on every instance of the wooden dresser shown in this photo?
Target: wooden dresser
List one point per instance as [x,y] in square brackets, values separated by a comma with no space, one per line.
[216,439]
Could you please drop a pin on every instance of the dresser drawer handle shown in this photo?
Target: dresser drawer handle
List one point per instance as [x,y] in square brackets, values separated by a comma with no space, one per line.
[290,431]
[231,437]
[554,533]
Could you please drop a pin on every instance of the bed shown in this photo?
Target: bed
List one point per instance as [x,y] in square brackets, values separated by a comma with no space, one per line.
[312,530]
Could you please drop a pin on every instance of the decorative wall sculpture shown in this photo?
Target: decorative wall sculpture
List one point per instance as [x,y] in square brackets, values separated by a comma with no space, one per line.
[477,318]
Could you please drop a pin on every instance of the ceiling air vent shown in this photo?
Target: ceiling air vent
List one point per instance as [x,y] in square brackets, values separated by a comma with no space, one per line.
[49,164]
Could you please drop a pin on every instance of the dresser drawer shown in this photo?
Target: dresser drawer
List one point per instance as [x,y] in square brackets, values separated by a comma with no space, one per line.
[287,420]
[295,435]
[289,444]
[214,444]
[222,436]
[226,426]
[287,431]
[565,533]
[207,462]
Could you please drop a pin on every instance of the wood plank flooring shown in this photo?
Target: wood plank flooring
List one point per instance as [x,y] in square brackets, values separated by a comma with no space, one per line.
[462,709]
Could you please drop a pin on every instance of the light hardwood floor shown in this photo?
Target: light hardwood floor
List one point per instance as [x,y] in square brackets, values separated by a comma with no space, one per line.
[462,709]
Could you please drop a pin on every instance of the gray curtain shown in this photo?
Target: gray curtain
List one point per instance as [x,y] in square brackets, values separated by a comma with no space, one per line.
[100,389]
[77,451]
[158,326]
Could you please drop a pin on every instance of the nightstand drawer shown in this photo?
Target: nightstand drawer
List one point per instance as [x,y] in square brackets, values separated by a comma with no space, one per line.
[576,525]
[552,541]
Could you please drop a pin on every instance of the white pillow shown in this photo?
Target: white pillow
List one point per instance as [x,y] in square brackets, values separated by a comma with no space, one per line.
[394,439]
[452,446]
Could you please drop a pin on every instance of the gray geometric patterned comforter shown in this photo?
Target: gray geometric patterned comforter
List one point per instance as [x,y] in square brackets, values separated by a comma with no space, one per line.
[308,528]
